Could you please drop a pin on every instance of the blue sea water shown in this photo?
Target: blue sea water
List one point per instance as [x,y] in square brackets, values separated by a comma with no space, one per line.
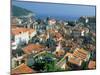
[58,11]
[67,17]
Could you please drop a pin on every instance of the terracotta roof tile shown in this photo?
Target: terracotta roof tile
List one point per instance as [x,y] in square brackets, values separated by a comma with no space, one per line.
[81,53]
[17,30]
[75,61]
[36,47]
[22,69]
[92,65]
[31,31]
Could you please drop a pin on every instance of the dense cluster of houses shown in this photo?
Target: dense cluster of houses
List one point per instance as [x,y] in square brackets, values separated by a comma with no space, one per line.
[59,39]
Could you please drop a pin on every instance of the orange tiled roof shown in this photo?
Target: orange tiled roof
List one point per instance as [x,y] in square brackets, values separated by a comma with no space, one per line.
[51,30]
[31,31]
[92,65]
[75,60]
[77,57]
[80,53]
[68,54]
[58,35]
[22,69]
[28,49]
[17,30]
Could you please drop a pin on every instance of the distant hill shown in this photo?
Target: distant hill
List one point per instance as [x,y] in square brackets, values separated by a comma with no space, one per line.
[20,12]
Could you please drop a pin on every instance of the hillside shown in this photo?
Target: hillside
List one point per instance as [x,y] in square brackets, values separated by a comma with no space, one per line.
[20,12]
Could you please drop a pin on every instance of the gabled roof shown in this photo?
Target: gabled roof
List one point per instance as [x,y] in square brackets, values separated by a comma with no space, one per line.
[78,56]
[75,60]
[19,30]
[81,53]
[23,68]
[33,47]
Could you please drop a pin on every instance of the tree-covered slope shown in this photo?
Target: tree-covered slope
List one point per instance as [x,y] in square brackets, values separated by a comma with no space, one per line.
[18,11]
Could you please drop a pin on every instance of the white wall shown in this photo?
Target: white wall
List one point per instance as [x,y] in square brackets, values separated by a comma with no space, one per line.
[23,37]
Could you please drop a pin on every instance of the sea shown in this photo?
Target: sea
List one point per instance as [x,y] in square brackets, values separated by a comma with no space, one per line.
[65,18]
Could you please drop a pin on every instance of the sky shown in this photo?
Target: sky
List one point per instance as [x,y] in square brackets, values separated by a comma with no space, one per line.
[57,10]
